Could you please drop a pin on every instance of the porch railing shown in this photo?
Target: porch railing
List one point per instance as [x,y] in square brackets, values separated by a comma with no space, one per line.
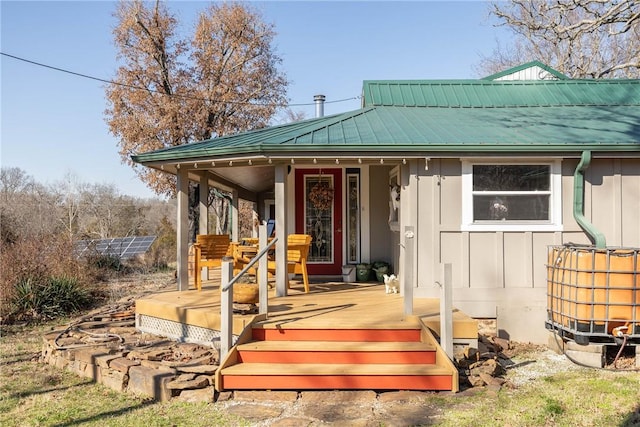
[226,285]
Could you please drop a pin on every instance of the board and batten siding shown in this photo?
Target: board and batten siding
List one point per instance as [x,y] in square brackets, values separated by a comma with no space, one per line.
[530,73]
[501,274]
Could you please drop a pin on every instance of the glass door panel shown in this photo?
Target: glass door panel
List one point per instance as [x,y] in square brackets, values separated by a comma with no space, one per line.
[319,214]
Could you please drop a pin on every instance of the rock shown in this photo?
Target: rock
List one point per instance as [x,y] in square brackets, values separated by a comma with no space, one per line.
[185,377]
[475,381]
[341,414]
[150,382]
[262,396]
[158,355]
[403,396]
[198,369]
[196,383]
[489,380]
[470,352]
[290,422]
[121,364]
[195,396]
[489,367]
[501,343]
[223,396]
[339,397]
[254,412]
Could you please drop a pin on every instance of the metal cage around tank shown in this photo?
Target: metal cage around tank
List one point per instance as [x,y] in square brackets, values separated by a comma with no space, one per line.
[593,295]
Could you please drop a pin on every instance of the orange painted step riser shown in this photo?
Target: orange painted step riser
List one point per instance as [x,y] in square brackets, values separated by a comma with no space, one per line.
[334,382]
[361,335]
[329,357]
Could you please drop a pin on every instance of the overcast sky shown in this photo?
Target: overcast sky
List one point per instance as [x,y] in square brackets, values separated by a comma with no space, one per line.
[53,123]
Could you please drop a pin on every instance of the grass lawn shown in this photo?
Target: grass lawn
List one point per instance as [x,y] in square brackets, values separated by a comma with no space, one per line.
[34,394]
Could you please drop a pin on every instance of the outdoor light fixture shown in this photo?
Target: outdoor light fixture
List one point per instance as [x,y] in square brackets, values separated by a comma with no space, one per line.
[250,162]
[293,161]
[230,162]
[382,161]
[195,166]
[315,161]
[360,161]
[337,162]
[178,166]
[426,163]
[213,164]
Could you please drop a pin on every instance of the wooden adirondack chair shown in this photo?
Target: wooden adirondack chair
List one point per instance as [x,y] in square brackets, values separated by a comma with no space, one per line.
[297,253]
[209,249]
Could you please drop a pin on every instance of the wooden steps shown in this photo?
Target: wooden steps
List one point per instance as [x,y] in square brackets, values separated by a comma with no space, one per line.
[318,376]
[326,334]
[336,352]
[407,358]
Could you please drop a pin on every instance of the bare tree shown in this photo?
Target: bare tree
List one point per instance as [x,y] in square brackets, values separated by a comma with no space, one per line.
[171,91]
[580,38]
[107,214]
[67,202]
[13,181]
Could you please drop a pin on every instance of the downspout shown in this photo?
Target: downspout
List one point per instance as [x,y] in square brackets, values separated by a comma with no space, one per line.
[596,237]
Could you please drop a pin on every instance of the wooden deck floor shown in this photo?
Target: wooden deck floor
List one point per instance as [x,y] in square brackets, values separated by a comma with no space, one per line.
[328,305]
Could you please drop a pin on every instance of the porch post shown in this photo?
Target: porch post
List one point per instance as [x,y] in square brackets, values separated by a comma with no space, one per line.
[407,238]
[203,224]
[182,231]
[282,277]
[409,231]
[446,309]
[235,236]
[203,217]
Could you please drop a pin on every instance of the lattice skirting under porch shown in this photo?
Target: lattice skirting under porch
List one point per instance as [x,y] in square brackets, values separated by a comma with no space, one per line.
[179,331]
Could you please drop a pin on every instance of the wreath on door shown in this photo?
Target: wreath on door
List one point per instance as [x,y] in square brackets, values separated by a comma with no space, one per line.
[321,196]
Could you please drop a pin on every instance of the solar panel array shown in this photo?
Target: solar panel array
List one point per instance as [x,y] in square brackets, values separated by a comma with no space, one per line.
[121,247]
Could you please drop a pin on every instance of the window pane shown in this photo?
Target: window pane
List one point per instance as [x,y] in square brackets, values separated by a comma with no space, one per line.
[353,217]
[511,208]
[511,177]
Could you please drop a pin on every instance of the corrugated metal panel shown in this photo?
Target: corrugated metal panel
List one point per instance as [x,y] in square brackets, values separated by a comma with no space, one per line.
[492,94]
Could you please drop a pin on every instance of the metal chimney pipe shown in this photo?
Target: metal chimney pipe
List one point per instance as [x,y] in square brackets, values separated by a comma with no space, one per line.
[319,100]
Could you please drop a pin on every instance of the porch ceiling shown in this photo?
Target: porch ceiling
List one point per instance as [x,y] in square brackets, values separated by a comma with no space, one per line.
[253,178]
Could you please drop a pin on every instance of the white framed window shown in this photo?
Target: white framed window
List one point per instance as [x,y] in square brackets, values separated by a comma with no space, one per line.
[511,195]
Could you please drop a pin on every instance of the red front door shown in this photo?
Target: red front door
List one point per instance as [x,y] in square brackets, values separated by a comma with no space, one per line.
[320,215]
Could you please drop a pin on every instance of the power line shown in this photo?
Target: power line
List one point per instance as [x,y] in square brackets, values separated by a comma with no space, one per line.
[86,76]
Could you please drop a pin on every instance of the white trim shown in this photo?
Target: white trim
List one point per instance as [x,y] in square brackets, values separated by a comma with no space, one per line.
[555,201]
[345,218]
[365,233]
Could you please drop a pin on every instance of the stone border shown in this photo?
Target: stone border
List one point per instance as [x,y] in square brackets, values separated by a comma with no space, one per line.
[106,347]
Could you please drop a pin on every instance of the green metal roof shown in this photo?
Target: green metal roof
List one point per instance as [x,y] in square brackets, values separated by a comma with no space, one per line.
[500,94]
[557,74]
[417,130]
[460,116]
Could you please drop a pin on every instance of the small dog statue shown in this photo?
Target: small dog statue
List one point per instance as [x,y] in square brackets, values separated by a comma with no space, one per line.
[391,284]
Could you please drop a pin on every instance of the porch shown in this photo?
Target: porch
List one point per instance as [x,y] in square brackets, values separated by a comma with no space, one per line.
[355,329]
